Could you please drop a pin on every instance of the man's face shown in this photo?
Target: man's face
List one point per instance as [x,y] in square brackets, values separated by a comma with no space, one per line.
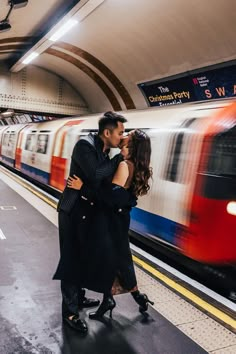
[114,137]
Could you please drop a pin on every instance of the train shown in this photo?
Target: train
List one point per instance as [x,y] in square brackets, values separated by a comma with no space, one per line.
[191,206]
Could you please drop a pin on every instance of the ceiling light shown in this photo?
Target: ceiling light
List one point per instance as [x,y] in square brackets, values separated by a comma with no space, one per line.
[65,28]
[7,113]
[4,26]
[31,57]
[18,3]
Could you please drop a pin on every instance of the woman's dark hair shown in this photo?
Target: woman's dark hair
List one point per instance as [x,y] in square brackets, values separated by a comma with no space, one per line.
[110,121]
[140,154]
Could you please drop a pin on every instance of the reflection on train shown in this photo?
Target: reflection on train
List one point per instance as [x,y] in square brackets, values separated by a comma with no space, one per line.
[192,203]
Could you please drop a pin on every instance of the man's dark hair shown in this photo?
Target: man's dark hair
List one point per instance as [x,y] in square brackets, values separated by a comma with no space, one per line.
[110,121]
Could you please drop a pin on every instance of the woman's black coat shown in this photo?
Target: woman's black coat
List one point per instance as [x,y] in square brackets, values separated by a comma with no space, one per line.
[107,254]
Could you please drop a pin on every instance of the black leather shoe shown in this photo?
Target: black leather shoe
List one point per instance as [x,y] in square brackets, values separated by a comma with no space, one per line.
[76,323]
[86,302]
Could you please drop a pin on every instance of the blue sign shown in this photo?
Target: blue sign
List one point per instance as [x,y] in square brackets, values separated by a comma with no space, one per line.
[207,85]
[218,83]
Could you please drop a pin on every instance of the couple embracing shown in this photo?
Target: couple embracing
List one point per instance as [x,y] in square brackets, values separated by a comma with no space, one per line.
[94,218]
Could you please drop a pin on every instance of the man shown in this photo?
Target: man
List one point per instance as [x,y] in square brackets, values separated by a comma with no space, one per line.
[90,162]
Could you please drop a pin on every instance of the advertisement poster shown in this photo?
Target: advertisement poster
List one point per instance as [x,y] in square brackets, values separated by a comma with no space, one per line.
[206,85]
[218,83]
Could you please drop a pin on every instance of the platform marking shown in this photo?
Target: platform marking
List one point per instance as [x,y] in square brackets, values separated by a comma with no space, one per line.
[185,278]
[8,207]
[188,294]
[2,236]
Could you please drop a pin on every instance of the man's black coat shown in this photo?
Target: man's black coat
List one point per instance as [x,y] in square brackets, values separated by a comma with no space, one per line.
[76,211]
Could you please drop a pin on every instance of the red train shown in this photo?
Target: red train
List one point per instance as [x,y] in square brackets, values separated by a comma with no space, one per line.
[192,203]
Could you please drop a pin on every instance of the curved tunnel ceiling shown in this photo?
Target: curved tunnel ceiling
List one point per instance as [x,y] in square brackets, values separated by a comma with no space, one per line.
[122,43]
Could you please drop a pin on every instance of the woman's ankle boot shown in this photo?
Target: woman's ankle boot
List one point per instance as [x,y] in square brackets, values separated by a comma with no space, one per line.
[142,300]
[107,304]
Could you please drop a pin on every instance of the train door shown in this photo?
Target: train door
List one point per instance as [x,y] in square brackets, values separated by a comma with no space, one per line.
[179,175]
[28,146]
[19,148]
[150,208]
[66,138]
[9,143]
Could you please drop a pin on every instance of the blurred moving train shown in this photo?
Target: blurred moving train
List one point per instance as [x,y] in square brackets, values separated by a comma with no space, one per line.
[192,202]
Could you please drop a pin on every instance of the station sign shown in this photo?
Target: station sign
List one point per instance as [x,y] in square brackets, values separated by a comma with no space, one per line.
[205,85]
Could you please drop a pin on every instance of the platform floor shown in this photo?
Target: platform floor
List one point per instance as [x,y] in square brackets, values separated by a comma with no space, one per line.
[30,302]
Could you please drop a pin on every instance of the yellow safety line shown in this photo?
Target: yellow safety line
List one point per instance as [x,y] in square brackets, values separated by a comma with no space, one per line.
[186,293]
[38,194]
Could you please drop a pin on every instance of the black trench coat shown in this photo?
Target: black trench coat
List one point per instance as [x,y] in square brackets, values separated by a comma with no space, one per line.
[99,249]
[76,212]
[106,255]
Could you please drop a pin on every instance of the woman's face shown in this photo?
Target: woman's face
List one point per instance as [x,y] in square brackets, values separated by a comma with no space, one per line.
[124,146]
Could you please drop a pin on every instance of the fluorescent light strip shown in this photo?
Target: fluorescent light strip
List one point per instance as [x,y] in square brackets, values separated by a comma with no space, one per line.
[31,57]
[64,29]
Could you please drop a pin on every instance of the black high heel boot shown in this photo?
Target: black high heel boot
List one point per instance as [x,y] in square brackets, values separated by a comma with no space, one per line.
[107,304]
[142,300]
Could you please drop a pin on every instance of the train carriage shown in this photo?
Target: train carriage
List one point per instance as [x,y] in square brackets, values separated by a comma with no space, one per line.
[36,147]
[192,202]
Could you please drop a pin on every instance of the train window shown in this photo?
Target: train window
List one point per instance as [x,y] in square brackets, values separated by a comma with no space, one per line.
[5,139]
[70,139]
[12,139]
[222,158]
[177,153]
[42,143]
[30,142]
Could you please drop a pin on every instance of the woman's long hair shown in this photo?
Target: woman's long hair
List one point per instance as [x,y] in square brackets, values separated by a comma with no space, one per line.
[140,154]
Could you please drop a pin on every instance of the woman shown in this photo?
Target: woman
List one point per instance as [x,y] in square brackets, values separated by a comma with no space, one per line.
[114,272]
